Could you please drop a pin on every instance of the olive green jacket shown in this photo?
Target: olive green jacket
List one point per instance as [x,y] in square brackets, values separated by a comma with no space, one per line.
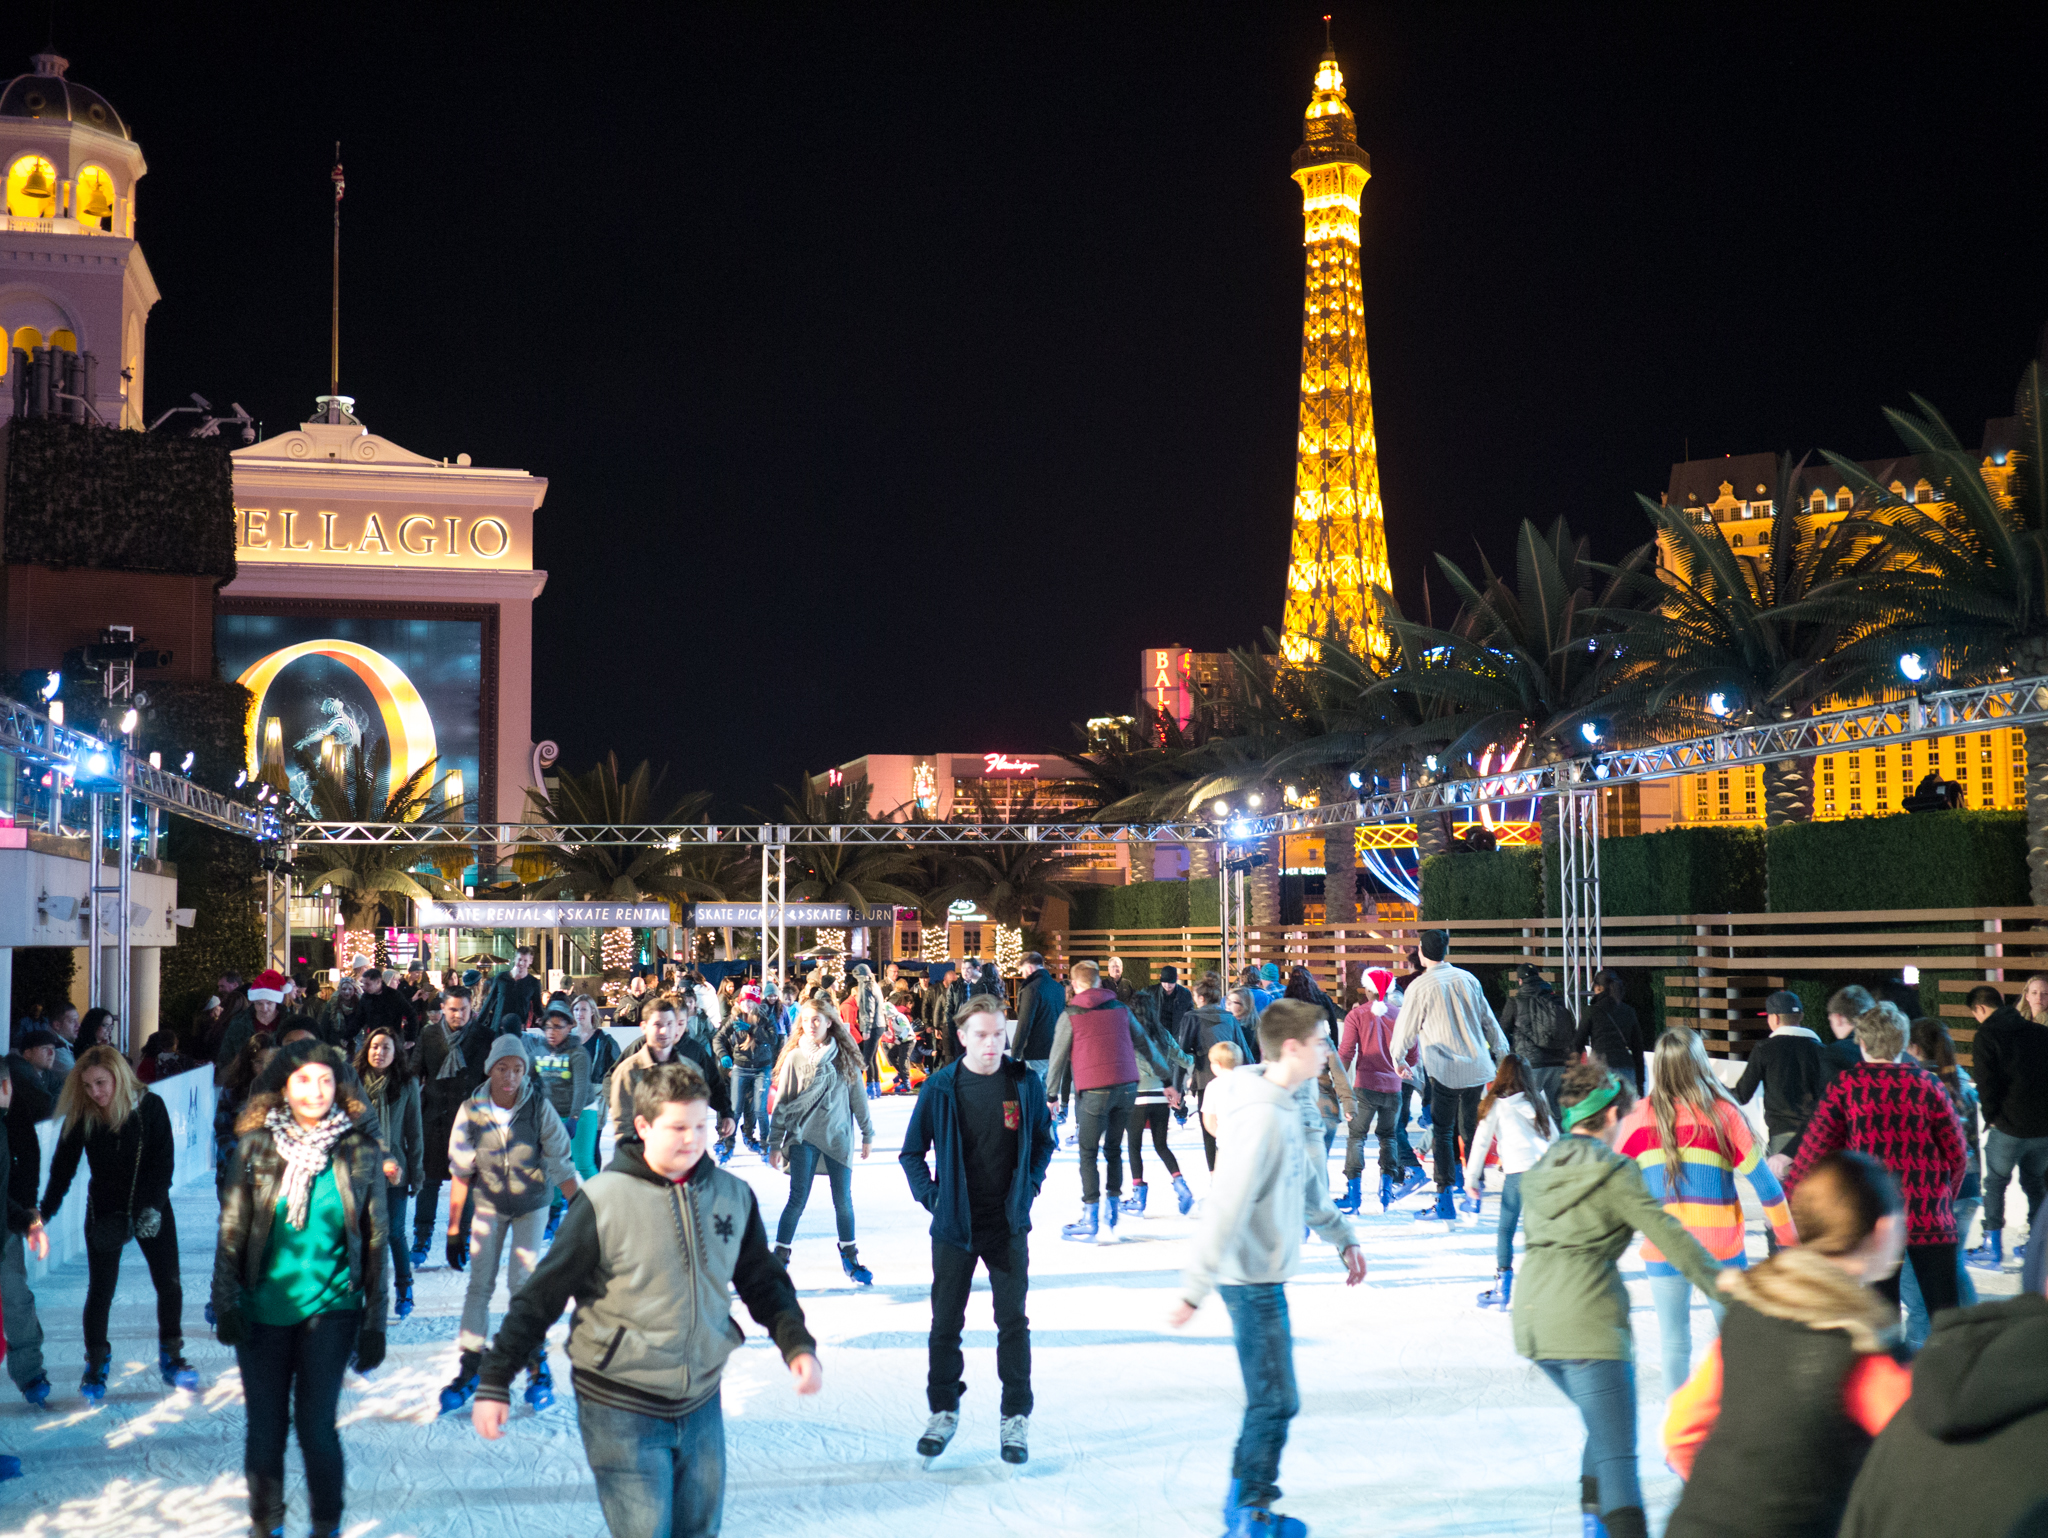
[1582,1206]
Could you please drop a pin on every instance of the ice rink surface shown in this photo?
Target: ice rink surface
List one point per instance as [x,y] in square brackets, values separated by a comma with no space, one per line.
[1417,1417]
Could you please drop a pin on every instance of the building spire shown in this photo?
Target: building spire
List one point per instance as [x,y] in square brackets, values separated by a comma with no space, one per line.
[1339,545]
[334,406]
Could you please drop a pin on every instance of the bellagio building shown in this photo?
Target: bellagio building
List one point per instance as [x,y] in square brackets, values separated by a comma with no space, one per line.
[1735,493]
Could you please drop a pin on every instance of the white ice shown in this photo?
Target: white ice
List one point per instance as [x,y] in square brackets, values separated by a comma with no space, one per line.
[1417,1417]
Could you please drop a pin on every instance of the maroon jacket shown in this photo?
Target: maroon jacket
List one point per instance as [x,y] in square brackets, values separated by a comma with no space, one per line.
[1095,1043]
[1899,1114]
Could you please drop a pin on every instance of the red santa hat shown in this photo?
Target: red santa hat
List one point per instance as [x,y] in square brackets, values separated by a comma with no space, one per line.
[1381,979]
[268,987]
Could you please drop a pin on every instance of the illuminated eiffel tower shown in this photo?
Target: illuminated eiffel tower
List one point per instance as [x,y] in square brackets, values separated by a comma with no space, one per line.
[1339,551]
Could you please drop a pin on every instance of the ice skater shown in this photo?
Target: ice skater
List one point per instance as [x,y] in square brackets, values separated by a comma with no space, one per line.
[1446,1012]
[651,1256]
[1517,1121]
[1267,1182]
[985,1118]
[820,1101]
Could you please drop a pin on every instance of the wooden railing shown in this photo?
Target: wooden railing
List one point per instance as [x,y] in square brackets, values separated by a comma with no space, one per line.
[1719,966]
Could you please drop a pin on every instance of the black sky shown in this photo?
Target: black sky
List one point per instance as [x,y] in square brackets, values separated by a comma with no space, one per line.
[901,371]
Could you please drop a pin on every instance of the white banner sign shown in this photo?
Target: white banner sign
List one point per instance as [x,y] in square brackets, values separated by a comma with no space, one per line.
[543,915]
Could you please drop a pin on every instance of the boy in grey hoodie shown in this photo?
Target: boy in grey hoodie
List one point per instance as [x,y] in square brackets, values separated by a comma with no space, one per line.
[1267,1183]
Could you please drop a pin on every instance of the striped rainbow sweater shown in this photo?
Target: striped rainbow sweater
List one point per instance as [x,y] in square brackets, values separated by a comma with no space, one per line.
[1706,1200]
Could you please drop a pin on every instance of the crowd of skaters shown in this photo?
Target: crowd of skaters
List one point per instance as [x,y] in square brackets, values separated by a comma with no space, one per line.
[338,1113]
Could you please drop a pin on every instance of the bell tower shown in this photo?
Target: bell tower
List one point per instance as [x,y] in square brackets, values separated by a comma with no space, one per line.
[1339,549]
[72,278]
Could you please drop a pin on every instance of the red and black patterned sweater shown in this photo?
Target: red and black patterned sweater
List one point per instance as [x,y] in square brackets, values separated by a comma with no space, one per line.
[1899,1114]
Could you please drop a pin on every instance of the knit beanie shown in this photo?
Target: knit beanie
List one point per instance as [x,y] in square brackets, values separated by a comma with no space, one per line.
[502,1048]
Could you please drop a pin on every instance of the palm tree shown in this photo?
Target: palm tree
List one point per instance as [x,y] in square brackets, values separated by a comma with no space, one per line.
[601,796]
[858,874]
[1715,638]
[343,788]
[1012,880]
[1965,581]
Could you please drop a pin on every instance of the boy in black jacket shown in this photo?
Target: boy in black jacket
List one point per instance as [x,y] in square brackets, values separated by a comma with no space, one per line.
[2010,1054]
[1793,1069]
[986,1116]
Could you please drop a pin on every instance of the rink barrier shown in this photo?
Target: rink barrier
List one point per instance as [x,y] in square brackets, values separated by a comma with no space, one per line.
[1719,966]
[188,1098]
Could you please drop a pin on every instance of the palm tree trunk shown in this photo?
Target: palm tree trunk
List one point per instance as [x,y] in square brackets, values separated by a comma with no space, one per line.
[2037,814]
[1201,859]
[1340,875]
[1788,792]
[1265,885]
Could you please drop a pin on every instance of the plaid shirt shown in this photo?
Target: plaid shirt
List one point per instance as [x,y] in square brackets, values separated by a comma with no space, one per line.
[1899,1114]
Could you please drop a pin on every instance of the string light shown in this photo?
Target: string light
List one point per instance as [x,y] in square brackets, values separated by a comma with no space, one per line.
[1009,950]
[617,950]
[931,943]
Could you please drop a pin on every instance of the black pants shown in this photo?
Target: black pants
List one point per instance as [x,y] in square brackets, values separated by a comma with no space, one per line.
[423,1229]
[1453,1118]
[401,1258]
[103,1274]
[1159,1118]
[1008,1260]
[1934,1268]
[291,1374]
[868,1049]
[1209,1148]
[1103,1114]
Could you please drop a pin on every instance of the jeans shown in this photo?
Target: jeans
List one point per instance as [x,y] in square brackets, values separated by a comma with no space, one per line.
[1934,1269]
[656,1478]
[1103,1115]
[583,1146]
[1265,1356]
[2004,1153]
[401,1257]
[1453,1118]
[103,1274]
[1673,1297]
[1549,1083]
[1373,1108]
[1008,1259]
[1605,1393]
[804,1159]
[1043,1068]
[747,1085]
[1919,1323]
[1510,1216]
[1159,1119]
[291,1374]
[18,1308]
[488,1232]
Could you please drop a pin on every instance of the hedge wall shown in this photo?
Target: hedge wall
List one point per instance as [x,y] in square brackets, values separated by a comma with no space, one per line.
[1684,870]
[217,874]
[1144,905]
[43,975]
[82,495]
[1925,860]
[1505,884]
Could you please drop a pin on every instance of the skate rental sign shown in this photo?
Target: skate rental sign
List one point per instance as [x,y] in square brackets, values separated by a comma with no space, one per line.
[543,915]
[793,915]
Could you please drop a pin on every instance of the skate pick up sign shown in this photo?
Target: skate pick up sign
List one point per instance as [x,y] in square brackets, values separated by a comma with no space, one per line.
[794,915]
[542,915]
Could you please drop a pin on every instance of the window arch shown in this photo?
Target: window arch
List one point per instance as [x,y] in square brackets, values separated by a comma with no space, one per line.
[92,198]
[28,338]
[1923,492]
[1844,500]
[1818,502]
[32,188]
[64,339]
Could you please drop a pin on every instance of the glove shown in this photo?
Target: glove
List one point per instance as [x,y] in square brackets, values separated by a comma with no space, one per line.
[369,1350]
[148,1223]
[231,1328]
[458,1252]
[725,1063]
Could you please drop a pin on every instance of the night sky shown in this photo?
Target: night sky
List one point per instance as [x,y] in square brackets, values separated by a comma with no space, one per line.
[900,371]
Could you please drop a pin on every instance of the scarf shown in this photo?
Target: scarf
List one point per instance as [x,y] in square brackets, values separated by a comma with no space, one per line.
[305,1154]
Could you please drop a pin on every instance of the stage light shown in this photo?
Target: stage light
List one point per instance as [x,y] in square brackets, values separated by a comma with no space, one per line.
[56,712]
[51,688]
[1717,704]
[1357,780]
[130,719]
[1222,807]
[241,779]
[1590,730]
[1252,802]
[1913,667]
[186,766]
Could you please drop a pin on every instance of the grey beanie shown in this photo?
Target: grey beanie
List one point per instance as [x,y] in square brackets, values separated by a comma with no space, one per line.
[504,1047]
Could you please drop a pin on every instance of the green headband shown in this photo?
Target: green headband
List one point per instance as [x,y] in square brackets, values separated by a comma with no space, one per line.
[1593,1104]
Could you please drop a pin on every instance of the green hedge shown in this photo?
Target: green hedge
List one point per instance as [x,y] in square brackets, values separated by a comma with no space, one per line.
[1925,860]
[1684,870]
[43,975]
[217,872]
[1505,884]
[95,497]
[1144,905]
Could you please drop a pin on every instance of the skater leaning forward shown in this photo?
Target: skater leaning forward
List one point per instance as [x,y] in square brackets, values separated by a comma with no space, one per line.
[1269,1180]
[984,1117]
[650,1255]
[301,1272]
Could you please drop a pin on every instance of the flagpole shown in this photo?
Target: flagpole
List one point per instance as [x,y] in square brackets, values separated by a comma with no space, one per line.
[334,365]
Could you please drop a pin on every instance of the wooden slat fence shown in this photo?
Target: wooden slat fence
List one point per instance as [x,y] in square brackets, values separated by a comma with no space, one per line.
[1718,966]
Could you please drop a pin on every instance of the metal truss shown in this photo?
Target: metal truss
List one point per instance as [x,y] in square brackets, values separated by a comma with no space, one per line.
[1578,839]
[28,733]
[540,837]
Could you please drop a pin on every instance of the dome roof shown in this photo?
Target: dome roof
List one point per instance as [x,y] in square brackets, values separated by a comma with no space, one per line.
[47,94]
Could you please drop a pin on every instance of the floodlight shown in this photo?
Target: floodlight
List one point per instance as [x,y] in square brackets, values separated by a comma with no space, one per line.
[1252,801]
[1913,666]
[186,766]
[1590,730]
[240,779]
[1717,704]
[130,719]
[56,712]
[1357,780]
[1222,807]
[53,686]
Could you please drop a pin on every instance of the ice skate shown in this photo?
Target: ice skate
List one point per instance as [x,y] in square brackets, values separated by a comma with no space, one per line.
[37,1393]
[1502,1292]
[1351,1199]
[1442,1210]
[1410,1183]
[462,1388]
[1257,1522]
[938,1432]
[1084,1227]
[782,1256]
[1014,1432]
[93,1386]
[1135,1202]
[177,1372]
[418,1256]
[402,1300]
[849,1261]
[540,1383]
[1990,1255]
[1107,1233]
[1182,1194]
